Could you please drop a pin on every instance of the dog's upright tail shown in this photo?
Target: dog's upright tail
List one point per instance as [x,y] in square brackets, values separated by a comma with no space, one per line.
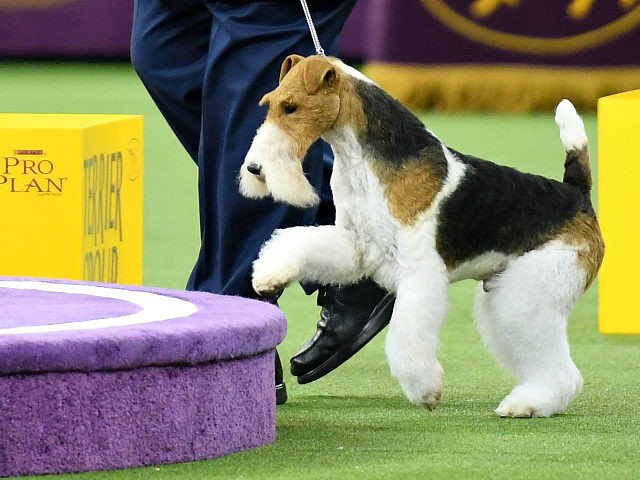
[577,168]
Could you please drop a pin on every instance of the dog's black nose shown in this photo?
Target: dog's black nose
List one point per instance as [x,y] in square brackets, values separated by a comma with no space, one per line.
[254,168]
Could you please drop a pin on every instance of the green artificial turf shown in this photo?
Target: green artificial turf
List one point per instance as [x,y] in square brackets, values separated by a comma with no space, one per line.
[355,422]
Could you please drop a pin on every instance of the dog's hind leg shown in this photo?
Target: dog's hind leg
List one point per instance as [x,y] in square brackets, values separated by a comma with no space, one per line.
[522,319]
[325,255]
[413,337]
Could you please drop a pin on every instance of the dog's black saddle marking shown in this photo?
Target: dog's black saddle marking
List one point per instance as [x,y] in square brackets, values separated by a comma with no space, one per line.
[497,208]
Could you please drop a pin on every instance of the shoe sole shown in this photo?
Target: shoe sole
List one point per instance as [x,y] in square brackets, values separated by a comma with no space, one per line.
[378,319]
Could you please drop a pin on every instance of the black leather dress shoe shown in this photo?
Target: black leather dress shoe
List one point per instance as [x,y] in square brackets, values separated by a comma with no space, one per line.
[351,315]
[281,388]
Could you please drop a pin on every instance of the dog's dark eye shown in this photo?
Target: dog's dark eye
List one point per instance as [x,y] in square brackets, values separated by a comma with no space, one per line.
[289,108]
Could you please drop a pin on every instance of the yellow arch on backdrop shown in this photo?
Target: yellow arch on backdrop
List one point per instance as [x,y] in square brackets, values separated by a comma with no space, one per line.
[527,44]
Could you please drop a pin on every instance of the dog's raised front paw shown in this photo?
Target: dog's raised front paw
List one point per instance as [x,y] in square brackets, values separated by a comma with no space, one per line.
[268,280]
[267,288]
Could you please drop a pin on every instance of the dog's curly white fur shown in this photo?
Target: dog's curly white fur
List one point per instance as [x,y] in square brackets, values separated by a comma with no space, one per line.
[415,215]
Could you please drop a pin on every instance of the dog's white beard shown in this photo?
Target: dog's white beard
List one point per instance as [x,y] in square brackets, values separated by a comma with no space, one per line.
[281,172]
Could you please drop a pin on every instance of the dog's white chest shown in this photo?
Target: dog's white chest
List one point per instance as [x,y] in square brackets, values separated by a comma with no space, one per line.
[359,198]
[362,209]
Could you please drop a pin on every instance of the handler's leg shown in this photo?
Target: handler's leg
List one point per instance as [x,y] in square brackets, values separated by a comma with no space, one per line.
[248,44]
[247,47]
[169,47]
[169,50]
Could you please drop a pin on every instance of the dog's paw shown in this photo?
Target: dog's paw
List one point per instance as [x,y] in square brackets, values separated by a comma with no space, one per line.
[268,282]
[542,398]
[428,398]
[424,390]
[268,288]
[529,401]
[511,409]
[431,400]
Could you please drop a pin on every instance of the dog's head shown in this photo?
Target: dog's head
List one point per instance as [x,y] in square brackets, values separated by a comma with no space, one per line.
[304,106]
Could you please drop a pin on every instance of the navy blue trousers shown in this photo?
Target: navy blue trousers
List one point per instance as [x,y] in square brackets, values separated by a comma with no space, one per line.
[206,64]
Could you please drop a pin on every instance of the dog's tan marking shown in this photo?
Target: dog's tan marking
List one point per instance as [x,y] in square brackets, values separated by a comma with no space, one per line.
[351,110]
[306,103]
[584,233]
[319,73]
[313,96]
[577,168]
[288,64]
[410,189]
[585,164]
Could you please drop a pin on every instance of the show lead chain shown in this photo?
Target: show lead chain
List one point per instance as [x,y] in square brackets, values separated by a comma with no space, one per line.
[312,28]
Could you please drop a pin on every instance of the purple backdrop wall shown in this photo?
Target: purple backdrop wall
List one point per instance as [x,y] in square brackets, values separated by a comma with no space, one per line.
[65,28]
[547,32]
[542,32]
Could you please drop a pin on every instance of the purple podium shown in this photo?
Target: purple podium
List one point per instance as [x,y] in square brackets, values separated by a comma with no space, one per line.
[101,376]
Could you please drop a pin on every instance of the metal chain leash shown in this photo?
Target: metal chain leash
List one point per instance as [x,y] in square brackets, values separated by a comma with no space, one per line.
[312,28]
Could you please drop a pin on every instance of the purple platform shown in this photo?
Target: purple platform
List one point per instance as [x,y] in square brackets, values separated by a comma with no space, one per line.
[101,377]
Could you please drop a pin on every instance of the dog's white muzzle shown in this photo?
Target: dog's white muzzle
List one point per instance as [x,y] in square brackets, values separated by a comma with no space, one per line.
[272,168]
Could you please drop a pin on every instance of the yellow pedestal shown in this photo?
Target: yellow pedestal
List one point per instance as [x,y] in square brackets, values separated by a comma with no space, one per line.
[619,211]
[71,196]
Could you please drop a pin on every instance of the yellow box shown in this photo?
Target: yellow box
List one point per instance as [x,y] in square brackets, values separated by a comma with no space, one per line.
[619,203]
[71,196]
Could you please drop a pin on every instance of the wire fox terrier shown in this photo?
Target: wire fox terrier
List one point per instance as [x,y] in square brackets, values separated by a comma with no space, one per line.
[415,215]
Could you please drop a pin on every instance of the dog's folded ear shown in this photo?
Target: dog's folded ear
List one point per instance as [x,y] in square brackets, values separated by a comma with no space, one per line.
[318,72]
[265,100]
[288,64]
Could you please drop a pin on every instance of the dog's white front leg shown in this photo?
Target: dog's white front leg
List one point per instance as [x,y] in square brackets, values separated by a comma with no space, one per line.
[324,255]
[413,336]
